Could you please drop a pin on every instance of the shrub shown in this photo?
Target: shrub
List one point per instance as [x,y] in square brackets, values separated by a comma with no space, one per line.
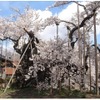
[76,94]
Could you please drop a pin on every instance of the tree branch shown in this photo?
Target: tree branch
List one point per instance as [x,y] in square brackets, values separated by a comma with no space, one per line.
[68,22]
[30,33]
[97,47]
[82,6]
[81,25]
[16,44]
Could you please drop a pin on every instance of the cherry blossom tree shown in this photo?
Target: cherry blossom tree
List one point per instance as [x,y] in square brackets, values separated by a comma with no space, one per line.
[54,63]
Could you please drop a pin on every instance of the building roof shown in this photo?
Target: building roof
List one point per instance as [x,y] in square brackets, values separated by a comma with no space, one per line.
[9,70]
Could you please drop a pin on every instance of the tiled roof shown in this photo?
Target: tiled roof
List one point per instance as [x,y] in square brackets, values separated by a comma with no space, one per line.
[9,70]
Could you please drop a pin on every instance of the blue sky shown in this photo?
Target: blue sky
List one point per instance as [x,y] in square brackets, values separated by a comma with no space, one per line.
[5,6]
[98,38]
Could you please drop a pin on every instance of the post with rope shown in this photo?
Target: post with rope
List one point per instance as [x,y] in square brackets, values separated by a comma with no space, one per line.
[84,61]
[90,70]
[96,59]
[1,53]
[69,83]
[57,24]
[80,52]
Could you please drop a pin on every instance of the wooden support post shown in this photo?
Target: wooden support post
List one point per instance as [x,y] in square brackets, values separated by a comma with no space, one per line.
[90,70]
[96,60]
[79,49]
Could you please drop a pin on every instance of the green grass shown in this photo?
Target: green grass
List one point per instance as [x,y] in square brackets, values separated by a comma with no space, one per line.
[31,92]
[34,93]
[9,90]
[1,91]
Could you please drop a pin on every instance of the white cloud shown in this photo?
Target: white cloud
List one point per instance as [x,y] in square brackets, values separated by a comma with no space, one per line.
[67,13]
[98,29]
[97,34]
[62,30]
[98,26]
[50,32]
[8,45]
[44,14]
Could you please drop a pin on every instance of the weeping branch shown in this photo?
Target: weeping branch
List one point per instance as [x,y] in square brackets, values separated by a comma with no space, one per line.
[81,25]
[97,47]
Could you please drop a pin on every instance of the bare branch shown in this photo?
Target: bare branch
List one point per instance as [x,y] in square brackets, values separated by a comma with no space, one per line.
[82,6]
[4,39]
[16,10]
